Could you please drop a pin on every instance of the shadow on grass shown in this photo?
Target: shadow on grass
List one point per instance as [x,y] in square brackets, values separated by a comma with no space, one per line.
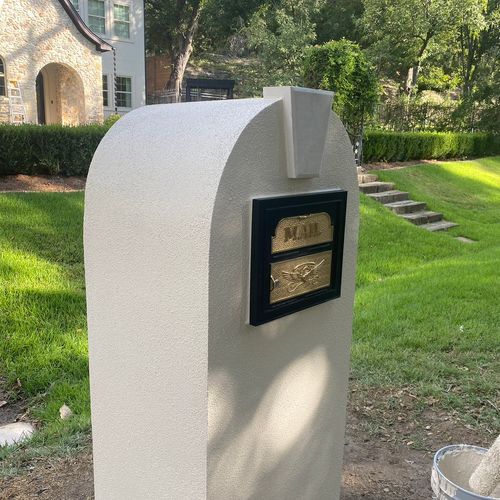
[49,225]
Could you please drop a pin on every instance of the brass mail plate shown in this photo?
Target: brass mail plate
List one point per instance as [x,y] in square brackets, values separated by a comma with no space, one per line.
[302,231]
[295,277]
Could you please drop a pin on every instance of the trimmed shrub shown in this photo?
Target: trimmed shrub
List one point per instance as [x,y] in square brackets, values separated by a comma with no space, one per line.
[48,149]
[382,145]
[59,150]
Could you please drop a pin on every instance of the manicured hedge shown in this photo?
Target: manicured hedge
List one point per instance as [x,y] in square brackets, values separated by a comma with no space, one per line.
[381,145]
[48,149]
[54,149]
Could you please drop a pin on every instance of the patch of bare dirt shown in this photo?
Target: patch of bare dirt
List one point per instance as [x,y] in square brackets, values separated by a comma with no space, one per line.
[373,470]
[44,183]
[392,435]
[12,408]
[70,478]
[391,438]
[377,470]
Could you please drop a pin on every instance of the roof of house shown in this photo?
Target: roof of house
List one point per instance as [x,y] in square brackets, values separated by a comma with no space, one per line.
[99,43]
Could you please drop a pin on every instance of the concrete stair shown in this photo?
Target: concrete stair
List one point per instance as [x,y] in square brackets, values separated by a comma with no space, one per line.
[422,217]
[406,206]
[389,196]
[366,178]
[399,202]
[440,225]
[376,187]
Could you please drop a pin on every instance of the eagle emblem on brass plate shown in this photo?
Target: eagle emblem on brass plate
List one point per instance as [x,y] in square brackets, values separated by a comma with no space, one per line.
[305,273]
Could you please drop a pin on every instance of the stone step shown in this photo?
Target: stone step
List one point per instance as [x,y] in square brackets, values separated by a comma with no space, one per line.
[441,225]
[363,178]
[422,217]
[406,206]
[389,196]
[376,187]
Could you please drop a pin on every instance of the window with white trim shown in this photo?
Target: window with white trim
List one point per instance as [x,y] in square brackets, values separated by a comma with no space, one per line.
[97,16]
[121,20]
[75,4]
[2,77]
[123,94]
[105,91]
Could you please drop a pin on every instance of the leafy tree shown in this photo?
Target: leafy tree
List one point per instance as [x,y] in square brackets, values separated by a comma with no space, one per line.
[223,20]
[341,66]
[279,33]
[400,33]
[477,58]
[487,96]
[479,33]
[434,77]
[171,26]
[339,19]
[480,109]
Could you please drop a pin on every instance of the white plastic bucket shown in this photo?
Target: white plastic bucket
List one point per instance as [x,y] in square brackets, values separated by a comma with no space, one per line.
[442,486]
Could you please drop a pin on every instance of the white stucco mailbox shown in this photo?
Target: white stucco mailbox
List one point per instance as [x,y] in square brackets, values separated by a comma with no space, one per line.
[220,250]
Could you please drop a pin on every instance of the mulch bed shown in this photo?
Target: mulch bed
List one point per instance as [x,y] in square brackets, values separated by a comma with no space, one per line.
[45,183]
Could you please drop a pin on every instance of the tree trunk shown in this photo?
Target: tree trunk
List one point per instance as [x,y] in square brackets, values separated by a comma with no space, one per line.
[181,59]
[409,81]
[182,54]
[414,70]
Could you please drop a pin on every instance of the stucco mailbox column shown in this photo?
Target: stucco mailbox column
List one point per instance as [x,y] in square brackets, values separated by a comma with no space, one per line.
[220,250]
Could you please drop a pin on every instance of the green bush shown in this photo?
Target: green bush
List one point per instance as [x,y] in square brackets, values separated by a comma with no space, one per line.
[48,149]
[382,145]
[111,120]
[342,67]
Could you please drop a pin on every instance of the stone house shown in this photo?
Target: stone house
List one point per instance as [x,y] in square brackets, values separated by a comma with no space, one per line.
[50,64]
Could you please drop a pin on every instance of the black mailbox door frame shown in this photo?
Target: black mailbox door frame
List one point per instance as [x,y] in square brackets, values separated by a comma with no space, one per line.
[266,213]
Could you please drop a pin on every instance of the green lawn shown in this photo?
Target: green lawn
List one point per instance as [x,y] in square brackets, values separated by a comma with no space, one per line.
[43,341]
[427,308]
[426,317]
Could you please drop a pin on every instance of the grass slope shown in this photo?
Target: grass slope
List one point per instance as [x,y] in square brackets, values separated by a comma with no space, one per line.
[426,312]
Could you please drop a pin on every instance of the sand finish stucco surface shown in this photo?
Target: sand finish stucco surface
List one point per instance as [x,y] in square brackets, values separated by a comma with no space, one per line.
[167,224]
[38,35]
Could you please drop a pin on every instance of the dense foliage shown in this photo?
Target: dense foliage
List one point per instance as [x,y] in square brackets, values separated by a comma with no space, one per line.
[400,35]
[48,149]
[341,67]
[402,146]
[280,32]
[442,53]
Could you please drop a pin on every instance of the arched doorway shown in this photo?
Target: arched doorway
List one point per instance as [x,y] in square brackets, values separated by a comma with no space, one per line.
[60,95]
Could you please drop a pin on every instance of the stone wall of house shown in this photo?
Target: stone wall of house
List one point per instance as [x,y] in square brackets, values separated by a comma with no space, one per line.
[4,109]
[72,96]
[35,33]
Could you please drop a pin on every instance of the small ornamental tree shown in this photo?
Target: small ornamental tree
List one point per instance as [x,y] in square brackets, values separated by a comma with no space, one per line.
[341,66]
